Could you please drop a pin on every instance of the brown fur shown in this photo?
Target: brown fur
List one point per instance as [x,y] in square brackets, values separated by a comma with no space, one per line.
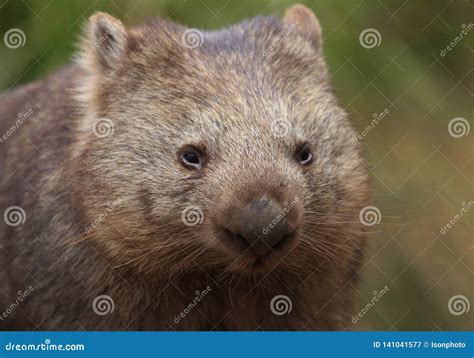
[223,96]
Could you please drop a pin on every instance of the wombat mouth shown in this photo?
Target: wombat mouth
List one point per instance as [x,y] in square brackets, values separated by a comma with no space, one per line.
[250,260]
[258,264]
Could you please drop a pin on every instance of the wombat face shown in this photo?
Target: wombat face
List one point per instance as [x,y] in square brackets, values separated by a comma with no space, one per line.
[230,153]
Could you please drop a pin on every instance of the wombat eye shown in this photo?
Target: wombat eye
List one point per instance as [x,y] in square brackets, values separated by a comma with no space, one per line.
[191,157]
[304,155]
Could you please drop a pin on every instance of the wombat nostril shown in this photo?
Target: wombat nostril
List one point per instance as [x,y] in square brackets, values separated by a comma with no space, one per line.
[241,239]
[235,241]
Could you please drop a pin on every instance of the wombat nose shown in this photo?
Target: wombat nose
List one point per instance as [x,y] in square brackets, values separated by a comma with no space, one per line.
[262,225]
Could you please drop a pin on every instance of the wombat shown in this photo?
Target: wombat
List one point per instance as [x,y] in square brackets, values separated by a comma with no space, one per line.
[173,179]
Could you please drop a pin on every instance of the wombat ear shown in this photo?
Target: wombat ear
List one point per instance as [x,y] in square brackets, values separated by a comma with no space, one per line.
[105,40]
[305,23]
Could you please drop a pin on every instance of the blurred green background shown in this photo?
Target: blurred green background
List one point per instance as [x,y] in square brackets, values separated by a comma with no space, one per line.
[421,174]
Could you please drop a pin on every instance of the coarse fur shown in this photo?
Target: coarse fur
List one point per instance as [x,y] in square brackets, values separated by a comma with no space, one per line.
[104,212]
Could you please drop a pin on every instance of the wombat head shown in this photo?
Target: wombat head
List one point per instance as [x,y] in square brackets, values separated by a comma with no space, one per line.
[217,149]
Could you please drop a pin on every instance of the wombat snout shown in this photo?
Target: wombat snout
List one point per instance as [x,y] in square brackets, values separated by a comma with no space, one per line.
[263,225]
